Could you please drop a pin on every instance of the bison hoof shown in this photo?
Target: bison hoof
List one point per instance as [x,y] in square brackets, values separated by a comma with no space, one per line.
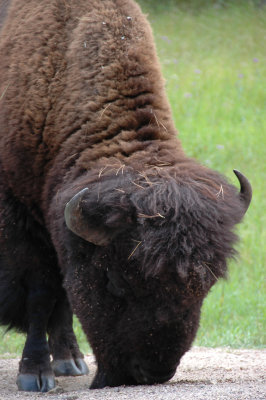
[70,367]
[35,383]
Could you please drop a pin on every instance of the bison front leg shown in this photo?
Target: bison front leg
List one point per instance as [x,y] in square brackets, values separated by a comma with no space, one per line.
[30,283]
[35,372]
[67,358]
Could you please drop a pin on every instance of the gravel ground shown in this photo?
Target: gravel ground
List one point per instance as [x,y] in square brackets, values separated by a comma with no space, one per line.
[203,374]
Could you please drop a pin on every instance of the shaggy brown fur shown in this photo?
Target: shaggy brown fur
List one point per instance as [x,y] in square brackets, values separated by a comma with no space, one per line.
[83,110]
[84,85]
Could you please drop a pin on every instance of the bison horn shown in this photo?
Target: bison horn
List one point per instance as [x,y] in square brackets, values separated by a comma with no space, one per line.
[245,194]
[73,215]
[84,225]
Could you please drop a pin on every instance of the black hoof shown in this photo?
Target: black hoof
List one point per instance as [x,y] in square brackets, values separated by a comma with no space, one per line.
[70,367]
[35,383]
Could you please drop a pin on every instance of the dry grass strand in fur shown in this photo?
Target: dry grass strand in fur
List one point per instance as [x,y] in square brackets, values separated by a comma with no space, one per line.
[134,250]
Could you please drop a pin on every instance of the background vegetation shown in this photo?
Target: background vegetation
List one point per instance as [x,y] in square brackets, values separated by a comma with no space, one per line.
[213,58]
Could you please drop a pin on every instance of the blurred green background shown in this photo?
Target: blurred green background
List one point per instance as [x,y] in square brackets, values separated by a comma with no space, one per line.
[213,57]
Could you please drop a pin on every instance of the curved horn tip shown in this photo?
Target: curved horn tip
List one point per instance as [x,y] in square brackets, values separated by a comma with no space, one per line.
[245,189]
[78,196]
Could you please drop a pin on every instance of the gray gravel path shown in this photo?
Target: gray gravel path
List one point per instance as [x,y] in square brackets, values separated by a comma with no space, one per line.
[204,374]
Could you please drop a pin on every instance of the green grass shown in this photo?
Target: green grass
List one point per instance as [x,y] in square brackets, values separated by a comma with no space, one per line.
[213,59]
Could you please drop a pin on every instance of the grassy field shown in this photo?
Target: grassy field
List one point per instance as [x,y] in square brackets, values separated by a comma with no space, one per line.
[213,59]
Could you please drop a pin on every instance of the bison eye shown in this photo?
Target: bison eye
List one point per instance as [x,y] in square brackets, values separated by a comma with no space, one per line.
[116,284]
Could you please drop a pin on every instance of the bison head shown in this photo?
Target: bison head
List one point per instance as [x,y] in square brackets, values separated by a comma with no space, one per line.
[143,253]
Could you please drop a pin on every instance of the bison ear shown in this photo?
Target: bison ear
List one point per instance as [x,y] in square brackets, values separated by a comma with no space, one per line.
[98,222]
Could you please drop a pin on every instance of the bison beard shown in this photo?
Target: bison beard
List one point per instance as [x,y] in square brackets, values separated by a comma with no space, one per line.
[101,212]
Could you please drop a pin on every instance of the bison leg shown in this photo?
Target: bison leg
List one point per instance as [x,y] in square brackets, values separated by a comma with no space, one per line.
[67,358]
[30,281]
[35,372]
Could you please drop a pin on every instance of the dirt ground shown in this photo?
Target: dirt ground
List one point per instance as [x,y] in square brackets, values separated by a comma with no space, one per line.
[203,374]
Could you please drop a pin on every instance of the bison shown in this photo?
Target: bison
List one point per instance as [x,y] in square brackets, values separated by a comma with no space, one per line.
[101,212]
